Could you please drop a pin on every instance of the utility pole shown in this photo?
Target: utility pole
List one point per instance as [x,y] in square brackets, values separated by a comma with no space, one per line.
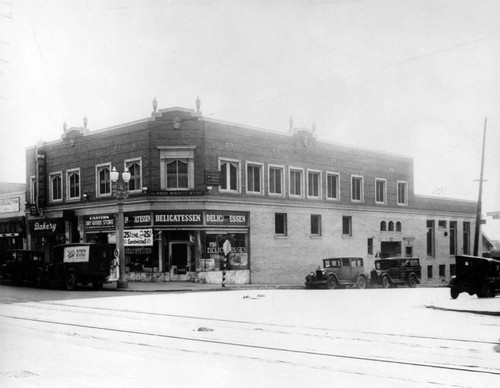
[478,214]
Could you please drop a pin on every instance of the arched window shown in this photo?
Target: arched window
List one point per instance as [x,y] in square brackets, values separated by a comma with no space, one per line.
[383,226]
[399,228]
[391,226]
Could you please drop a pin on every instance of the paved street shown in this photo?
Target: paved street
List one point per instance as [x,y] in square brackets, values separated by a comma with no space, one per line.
[247,338]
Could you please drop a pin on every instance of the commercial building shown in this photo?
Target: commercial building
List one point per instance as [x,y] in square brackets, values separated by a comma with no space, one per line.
[284,199]
[12,216]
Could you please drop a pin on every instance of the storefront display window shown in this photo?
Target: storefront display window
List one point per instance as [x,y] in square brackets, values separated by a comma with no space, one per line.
[213,255]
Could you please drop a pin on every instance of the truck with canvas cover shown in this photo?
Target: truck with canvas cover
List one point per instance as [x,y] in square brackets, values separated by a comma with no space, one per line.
[73,264]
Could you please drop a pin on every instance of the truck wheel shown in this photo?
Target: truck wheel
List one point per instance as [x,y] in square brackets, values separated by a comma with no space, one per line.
[454,293]
[385,282]
[331,283]
[412,281]
[70,282]
[97,286]
[39,280]
[362,282]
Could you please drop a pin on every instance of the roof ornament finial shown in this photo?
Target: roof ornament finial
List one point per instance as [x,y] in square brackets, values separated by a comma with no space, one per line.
[85,121]
[155,105]
[198,104]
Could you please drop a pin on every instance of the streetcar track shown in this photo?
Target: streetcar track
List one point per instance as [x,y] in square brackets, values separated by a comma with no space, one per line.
[261,347]
[224,320]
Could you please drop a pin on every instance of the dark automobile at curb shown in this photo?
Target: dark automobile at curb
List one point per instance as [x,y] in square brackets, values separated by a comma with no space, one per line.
[20,265]
[339,272]
[395,271]
[475,275]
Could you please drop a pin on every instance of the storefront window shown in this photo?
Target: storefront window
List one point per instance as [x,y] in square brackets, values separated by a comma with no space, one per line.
[213,255]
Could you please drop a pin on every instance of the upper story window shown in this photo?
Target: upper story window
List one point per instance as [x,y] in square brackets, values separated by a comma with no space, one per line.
[103,180]
[296,182]
[73,183]
[380,191]
[33,189]
[383,226]
[254,178]
[56,185]
[402,193]
[399,227]
[313,184]
[276,180]
[229,175]
[135,168]
[332,186]
[176,169]
[356,188]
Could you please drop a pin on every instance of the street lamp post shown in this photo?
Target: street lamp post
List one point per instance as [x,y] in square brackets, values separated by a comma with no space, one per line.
[120,192]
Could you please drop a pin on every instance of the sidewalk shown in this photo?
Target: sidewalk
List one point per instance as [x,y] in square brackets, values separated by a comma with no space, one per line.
[464,303]
[193,287]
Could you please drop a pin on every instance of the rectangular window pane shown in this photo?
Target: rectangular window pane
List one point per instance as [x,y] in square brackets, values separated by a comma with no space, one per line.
[280,223]
[430,238]
[466,237]
[346,225]
[233,177]
[295,183]
[453,237]
[313,180]
[316,224]
[253,179]
[356,184]
[402,193]
[332,185]
[380,191]
[275,181]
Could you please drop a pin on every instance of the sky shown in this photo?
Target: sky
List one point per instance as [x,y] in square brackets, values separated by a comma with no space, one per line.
[412,77]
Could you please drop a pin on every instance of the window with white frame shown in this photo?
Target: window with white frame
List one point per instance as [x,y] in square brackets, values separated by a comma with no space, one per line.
[73,184]
[296,177]
[356,188]
[380,191]
[332,186]
[56,187]
[402,193]
[176,168]
[229,175]
[134,167]
[103,180]
[313,184]
[254,178]
[276,180]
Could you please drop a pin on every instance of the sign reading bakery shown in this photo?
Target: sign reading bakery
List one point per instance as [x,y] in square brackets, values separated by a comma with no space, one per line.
[47,226]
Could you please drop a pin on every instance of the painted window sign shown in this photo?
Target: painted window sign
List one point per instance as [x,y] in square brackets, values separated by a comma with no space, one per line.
[76,254]
[178,218]
[138,237]
[48,226]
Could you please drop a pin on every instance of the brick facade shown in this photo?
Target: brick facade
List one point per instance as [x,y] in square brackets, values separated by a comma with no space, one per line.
[272,258]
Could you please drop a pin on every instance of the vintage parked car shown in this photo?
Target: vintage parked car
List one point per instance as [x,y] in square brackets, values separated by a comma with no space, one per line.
[71,264]
[475,275]
[391,272]
[339,272]
[20,265]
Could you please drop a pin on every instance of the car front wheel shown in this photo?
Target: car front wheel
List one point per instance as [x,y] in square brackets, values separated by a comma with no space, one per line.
[331,283]
[412,282]
[362,282]
[385,282]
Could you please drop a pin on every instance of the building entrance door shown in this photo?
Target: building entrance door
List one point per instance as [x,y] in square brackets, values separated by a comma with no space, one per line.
[390,249]
[179,254]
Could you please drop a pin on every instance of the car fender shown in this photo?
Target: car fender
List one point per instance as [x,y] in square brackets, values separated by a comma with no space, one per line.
[452,282]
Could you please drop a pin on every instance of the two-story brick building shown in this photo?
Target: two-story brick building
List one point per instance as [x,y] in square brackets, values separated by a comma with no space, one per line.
[285,199]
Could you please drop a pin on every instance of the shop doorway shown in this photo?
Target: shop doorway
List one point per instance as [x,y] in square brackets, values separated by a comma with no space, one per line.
[180,257]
